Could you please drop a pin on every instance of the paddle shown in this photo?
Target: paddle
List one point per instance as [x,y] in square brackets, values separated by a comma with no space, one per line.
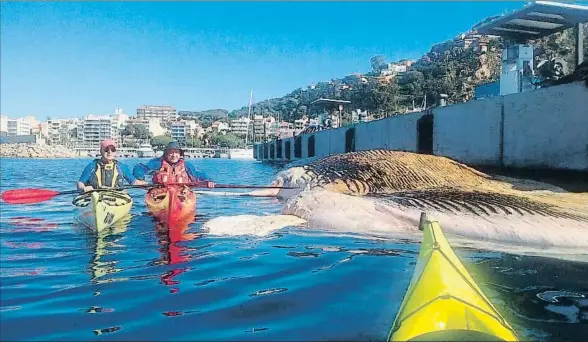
[234,186]
[32,195]
[232,194]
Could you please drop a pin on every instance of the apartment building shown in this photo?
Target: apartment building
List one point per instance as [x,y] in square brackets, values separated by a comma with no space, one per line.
[219,127]
[164,113]
[240,126]
[300,123]
[60,131]
[20,126]
[120,118]
[258,128]
[95,128]
[179,131]
[4,124]
[264,127]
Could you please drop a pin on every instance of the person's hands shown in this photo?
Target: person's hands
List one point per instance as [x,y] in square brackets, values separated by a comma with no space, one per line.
[83,188]
[205,184]
[140,182]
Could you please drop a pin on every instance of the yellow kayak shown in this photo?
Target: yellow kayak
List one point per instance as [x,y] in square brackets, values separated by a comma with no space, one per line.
[443,303]
[101,209]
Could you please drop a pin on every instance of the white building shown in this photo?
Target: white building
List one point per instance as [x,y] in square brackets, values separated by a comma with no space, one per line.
[60,131]
[300,124]
[95,128]
[181,130]
[193,128]
[394,69]
[258,128]
[164,113]
[4,123]
[219,127]
[240,126]
[20,126]
[32,121]
[120,118]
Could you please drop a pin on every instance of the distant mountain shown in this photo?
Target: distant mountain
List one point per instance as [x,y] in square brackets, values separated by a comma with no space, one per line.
[453,67]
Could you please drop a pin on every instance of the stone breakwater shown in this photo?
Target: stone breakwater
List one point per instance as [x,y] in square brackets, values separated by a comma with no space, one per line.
[29,150]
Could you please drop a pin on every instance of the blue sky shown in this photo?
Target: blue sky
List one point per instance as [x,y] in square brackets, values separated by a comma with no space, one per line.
[64,59]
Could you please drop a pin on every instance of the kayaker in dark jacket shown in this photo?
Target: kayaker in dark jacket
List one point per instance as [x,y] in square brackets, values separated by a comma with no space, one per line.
[106,172]
[171,168]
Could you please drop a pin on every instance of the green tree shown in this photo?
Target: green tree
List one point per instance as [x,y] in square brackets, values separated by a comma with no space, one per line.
[226,140]
[378,63]
[192,141]
[160,141]
[137,131]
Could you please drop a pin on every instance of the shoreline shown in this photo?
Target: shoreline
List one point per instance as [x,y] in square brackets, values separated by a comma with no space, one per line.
[37,151]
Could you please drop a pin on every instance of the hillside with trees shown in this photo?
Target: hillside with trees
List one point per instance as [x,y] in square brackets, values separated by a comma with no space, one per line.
[206,117]
[451,68]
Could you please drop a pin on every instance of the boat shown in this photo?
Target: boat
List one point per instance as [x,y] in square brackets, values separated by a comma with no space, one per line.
[247,152]
[145,151]
[101,208]
[443,302]
[171,205]
[241,153]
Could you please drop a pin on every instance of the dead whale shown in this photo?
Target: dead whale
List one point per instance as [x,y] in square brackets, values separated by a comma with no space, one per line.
[384,191]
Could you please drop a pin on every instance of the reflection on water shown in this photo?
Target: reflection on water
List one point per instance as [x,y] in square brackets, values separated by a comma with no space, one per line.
[141,281]
[104,243]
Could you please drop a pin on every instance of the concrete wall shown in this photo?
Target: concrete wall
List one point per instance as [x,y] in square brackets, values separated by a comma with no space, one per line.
[18,139]
[337,140]
[469,132]
[545,128]
[400,132]
[395,133]
[322,143]
[371,135]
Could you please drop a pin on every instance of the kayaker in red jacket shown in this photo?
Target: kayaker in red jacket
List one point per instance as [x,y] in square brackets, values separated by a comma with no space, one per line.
[171,168]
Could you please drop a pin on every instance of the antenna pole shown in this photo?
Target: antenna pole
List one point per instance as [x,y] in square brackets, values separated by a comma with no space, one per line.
[248,115]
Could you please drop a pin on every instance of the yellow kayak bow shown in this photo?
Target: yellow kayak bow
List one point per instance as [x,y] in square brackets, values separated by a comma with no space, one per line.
[443,302]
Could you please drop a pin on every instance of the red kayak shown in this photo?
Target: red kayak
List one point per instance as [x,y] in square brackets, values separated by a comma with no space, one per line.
[172,205]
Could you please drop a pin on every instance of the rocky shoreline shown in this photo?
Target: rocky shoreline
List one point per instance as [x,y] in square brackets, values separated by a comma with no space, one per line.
[29,150]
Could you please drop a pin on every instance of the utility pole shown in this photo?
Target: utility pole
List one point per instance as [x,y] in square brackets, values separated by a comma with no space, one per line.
[579,43]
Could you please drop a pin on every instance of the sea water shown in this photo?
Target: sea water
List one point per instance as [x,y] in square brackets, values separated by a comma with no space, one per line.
[136,282]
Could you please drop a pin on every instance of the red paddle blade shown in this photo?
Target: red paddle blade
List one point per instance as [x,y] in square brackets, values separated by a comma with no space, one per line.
[27,196]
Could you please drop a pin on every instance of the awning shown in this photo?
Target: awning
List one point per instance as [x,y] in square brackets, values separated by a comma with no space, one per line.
[536,20]
[328,102]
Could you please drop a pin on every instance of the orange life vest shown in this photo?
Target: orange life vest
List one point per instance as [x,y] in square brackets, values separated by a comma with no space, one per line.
[171,174]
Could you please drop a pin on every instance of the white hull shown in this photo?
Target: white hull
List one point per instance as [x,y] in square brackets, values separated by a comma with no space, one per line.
[241,153]
[145,151]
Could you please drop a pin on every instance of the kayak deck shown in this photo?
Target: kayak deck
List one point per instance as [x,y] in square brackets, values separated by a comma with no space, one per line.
[171,205]
[100,209]
[443,302]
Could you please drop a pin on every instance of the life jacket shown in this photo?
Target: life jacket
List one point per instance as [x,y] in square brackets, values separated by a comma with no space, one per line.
[106,175]
[171,174]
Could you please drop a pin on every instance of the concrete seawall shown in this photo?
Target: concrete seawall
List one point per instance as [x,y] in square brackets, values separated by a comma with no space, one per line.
[542,129]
